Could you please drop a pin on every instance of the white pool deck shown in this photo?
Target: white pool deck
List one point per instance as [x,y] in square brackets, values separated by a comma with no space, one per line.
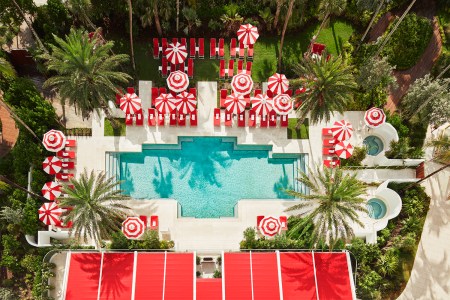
[225,233]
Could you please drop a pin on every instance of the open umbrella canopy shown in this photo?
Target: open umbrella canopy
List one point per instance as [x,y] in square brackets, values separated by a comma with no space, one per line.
[242,84]
[50,213]
[344,149]
[178,81]
[262,104]
[235,103]
[54,140]
[282,104]
[133,227]
[342,130]
[247,34]
[374,117]
[165,103]
[130,103]
[278,84]
[51,190]
[52,165]
[185,103]
[270,226]
[176,53]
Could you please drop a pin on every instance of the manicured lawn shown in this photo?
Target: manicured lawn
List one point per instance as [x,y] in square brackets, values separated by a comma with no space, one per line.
[111,131]
[265,54]
[297,134]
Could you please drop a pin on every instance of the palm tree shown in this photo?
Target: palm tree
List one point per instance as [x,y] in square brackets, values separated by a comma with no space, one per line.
[150,13]
[333,202]
[93,206]
[85,72]
[326,8]
[130,18]
[81,10]
[441,148]
[329,83]
[6,69]
[286,21]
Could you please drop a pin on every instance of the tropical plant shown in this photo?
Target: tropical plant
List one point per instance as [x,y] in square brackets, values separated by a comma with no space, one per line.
[267,17]
[6,69]
[150,13]
[130,25]
[359,154]
[402,149]
[93,206]
[369,5]
[85,72]
[329,84]
[231,18]
[81,10]
[387,264]
[332,205]
[441,148]
[11,215]
[375,72]
[191,18]
[326,8]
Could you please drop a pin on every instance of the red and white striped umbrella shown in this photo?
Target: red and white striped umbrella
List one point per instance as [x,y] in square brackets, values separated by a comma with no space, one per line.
[165,103]
[342,130]
[248,34]
[50,213]
[176,53]
[242,84]
[278,84]
[54,140]
[344,149]
[374,117]
[52,165]
[270,226]
[51,190]
[262,104]
[282,104]
[235,103]
[186,103]
[130,103]
[133,227]
[178,81]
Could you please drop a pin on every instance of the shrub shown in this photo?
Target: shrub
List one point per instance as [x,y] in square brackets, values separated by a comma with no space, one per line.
[402,149]
[409,41]
[359,154]
[217,274]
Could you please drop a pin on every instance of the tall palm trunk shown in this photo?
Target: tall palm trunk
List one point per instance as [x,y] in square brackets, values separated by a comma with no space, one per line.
[156,16]
[277,14]
[35,35]
[178,14]
[286,21]
[322,25]
[18,186]
[377,11]
[130,16]
[428,176]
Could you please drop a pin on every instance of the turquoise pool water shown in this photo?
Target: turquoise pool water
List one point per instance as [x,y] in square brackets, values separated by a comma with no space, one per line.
[374,145]
[376,208]
[207,176]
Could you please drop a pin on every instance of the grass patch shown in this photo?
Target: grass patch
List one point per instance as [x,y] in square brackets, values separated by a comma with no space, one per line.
[119,131]
[297,134]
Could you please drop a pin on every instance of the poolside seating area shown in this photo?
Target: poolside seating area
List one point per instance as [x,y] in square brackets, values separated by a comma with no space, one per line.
[249,119]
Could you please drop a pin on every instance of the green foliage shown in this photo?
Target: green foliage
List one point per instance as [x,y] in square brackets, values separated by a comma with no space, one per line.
[217,274]
[409,41]
[11,215]
[402,149]
[29,222]
[359,154]
[294,133]
[120,130]
[442,62]
[7,294]
[150,240]
[52,18]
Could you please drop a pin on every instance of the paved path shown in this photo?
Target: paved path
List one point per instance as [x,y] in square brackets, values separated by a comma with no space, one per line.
[9,132]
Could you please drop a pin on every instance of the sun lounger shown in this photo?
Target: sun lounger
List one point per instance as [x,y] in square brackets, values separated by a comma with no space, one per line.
[139,119]
[164,67]
[272,119]
[258,220]
[64,176]
[251,118]
[217,116]
[331,163]
[174,40]
[155,48]
[130,90]
[173,119]
[222,69]
[182,67]
[247,100]
[284,121]
[283,222]
[329,142]
[181,120]
[192,47]
[71,143]
[164,45]
[162,90]
[230,68]
[328,151]
[250,52]
[129,119]
[223,96]
[145,219]
[68,165]
[327,132]
[212,48]
[155,94]
[248,69]
[193,119]
[228,119]
[257,92]
[154,222]
[317,48]
[161,120]
[269,93]
[151,117]
[221,48]
[190,70]
[173,67]
[289,93]
[66,154]
[241,50]
[193,91]
[118,96]
[183,42]
[201,48]
[240,66]
[233,48]
[264,121]
[241,119]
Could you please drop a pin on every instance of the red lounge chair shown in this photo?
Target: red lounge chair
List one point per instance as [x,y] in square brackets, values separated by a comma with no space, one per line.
[223,96]
[201,48]
[241,50]
[193,91]
[329,142]
[173,67]
[155,48]
[164,67]
[164,45]
[68,165]
[118,96]
[174,40]
[283,222]
[161,120]
[284,121]
[251,118]
[264,121]
[217,116]
[247,100]
[272,119]
[212,48]
[230,68]
[173,94]
[222,69]
[327,132]
[182,67]
[71,143]
[331,163]
[317,48]
[183,42]
[269,93]
[192,50]
[249,68]
[145,219]
[130,90]
[240,66]
[241,119]
[193,118]
[66,154]
[154,223]
[162,90]
[233,48]
[328,151]
[221,48]
[289,93]
[258,220]
[129,120]
[181,120]
[257,92]
[139,119]
[155,94]
[250,52]
[173,119]
[228,119]
[64,176]
[151,117]
[190,68]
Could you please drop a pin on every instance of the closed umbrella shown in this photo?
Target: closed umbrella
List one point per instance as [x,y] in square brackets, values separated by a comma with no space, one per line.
[52,165]
[235,103]
[54,140]
[133,227]
[185,103]
[342,130]
[51,190]
[344,149]
[165,103]
[374,117]
[278,84]
[130,103]
[50,214]
[282,104]
[262,104]
[247,34]
[270,226]
[176,53]
[178,81]
[242,84]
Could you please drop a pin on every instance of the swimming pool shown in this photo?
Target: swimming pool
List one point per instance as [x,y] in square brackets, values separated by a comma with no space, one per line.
[206,175]
[376,208]
[374,145]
